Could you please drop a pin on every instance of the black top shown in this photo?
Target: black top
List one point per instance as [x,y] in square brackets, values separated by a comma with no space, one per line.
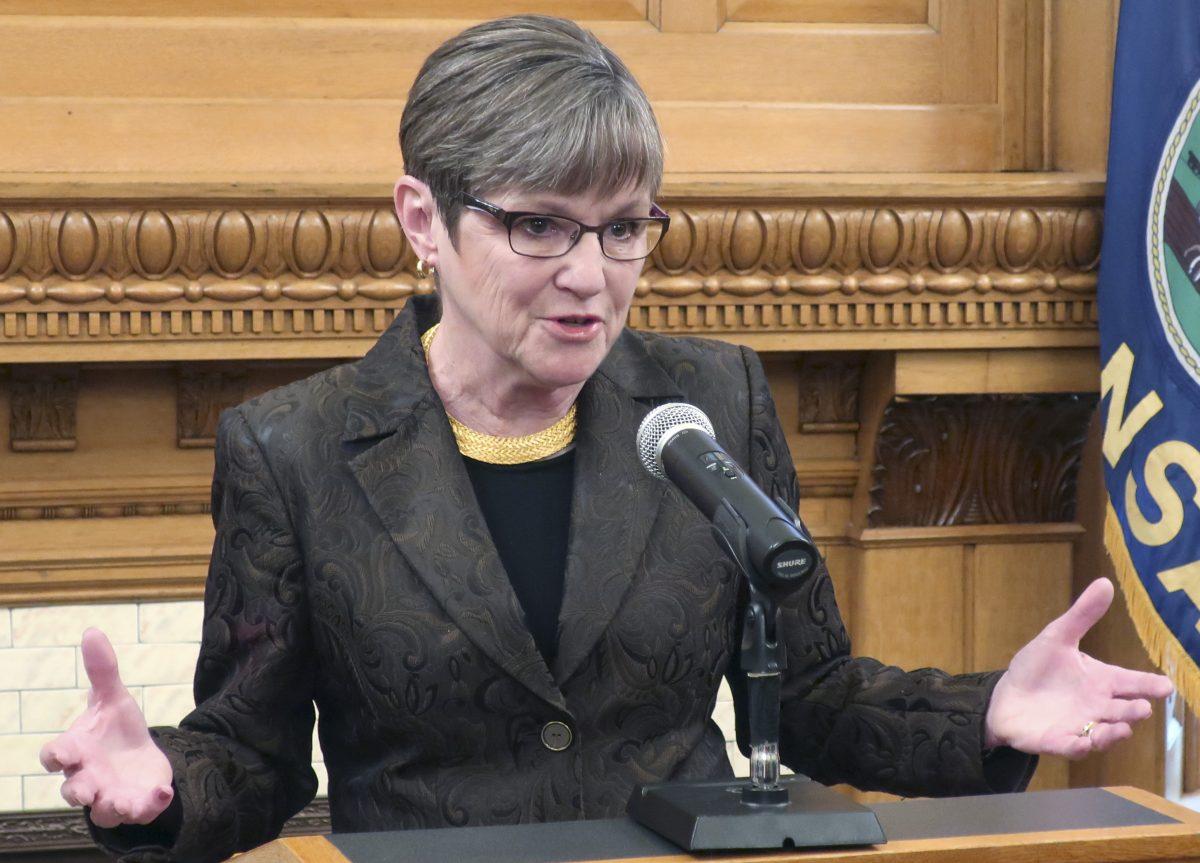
[528,511]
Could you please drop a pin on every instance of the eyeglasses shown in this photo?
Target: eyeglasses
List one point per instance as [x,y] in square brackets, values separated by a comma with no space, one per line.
[541,235]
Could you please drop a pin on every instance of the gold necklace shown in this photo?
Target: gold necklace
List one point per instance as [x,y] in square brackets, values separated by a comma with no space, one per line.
[495,449]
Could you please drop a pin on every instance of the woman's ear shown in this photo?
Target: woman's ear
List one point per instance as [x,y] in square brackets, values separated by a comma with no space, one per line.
[417,211]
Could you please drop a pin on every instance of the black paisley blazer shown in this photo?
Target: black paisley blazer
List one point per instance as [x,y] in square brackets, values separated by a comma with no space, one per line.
[353,569]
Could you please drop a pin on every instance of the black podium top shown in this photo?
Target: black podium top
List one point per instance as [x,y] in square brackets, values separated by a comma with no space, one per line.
[566,841]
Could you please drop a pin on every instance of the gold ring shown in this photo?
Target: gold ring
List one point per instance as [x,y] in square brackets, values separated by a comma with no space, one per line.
[1088,729]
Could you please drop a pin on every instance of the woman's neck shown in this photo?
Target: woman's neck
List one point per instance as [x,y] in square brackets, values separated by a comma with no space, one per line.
[488,395]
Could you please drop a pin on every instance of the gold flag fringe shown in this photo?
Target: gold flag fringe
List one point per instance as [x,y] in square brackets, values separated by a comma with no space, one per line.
[1164,648]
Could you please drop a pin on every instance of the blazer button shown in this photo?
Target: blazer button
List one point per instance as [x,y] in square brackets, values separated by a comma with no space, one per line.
[556,736]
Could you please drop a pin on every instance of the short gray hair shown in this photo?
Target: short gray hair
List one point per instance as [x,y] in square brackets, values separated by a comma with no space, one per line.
[527,102]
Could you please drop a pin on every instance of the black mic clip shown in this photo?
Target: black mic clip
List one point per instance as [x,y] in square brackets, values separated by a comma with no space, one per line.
[762,651]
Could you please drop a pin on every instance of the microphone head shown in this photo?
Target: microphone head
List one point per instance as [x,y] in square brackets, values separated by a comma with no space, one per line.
[662,424]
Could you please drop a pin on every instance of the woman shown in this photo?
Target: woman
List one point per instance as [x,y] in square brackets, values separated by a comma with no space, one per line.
[451,548]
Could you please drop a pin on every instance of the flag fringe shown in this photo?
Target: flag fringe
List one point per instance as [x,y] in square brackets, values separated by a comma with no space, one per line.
[1164,648]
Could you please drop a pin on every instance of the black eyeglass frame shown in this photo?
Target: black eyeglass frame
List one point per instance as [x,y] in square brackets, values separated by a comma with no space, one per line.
[507,218]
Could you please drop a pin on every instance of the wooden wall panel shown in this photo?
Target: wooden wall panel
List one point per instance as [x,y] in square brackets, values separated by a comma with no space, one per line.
[154,94]
[958,598]
[357,60]
[830,11]
[1014,591]
[908,606]
[998,371]
[1082,35]
[282,138]
[582,10]
[98,559]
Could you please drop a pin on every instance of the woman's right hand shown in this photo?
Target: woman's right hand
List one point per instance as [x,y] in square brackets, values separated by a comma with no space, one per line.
[107,755]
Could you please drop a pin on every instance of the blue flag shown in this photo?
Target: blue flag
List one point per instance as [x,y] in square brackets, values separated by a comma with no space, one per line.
[1149,297]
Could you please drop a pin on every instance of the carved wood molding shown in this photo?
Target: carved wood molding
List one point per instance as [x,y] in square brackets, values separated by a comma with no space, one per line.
[42,408]
[129,497]
[238,271]
[50,830]
[64,829]
[110,498]
[201,395]
[829,385]
[973,460]
[105,508]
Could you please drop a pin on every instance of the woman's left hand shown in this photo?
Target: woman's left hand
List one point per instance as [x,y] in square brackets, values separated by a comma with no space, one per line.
[1056,700]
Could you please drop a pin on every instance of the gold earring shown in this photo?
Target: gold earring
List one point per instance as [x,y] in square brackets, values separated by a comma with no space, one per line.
[424,270]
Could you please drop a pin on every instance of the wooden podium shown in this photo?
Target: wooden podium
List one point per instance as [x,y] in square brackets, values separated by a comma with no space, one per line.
[1083,825]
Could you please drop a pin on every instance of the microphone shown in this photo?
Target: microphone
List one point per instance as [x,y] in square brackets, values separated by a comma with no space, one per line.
[676,443]
[764,538]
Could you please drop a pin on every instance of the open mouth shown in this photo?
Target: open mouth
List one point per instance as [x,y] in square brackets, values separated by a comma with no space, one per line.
[576,328]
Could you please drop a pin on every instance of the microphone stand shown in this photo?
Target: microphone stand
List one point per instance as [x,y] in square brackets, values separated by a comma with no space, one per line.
[763,660]
[765,811]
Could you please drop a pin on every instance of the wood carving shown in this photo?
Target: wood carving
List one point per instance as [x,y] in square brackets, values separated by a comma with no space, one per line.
[43,408]
[964,460]
[65,830]
[103,509]
[316,270]
[829,385]
[43,831]
[200,398]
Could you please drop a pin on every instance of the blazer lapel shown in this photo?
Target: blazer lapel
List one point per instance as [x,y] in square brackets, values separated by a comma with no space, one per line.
[615,500]
[415,480]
